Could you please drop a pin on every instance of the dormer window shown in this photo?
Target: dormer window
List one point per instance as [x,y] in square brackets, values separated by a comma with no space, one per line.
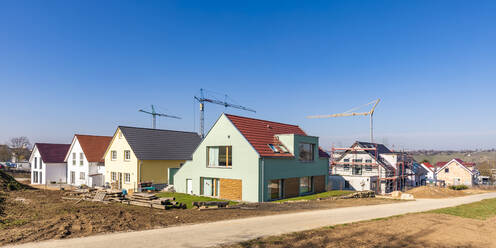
[273,147]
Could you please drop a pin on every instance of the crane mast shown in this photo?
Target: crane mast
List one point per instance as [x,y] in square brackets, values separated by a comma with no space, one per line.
[202,100]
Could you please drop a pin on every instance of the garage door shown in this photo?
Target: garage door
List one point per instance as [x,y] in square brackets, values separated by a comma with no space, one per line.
[231,189]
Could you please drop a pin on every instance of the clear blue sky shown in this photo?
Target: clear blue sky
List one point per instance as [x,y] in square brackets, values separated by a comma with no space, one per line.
[88,66]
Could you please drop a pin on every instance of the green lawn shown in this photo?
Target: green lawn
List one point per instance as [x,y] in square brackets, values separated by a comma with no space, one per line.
[477,210]
[333,193]
[189,199]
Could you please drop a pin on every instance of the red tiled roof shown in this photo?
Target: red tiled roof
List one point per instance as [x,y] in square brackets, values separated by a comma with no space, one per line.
[427,164]
[467,164]
[94,146]
[261,133]
[52,153]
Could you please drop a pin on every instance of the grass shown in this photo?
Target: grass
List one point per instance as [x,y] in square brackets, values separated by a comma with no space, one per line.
[333,193]
[478,210]
[189,199]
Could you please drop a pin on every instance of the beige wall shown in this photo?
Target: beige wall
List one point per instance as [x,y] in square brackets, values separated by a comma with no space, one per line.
[156,171]
[456,171]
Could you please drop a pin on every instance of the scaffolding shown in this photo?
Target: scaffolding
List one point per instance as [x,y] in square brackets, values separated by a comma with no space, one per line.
[394,178]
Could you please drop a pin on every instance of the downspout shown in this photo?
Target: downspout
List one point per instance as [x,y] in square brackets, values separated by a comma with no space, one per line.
[263,179]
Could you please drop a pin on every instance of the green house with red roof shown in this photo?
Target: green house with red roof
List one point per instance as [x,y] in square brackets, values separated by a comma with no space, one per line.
[247,159]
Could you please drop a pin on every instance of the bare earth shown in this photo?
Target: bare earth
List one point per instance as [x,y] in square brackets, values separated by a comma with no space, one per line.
[437,192]
[413,230]
[35,215]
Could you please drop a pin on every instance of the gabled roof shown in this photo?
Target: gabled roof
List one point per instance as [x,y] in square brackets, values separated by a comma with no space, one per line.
[157,144]
[52,153]
[428,166]
[261,133]
[380,149]
[93,146]
[466,164]
[459,162]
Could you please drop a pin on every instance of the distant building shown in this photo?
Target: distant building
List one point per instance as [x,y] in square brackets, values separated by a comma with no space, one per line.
[457,172]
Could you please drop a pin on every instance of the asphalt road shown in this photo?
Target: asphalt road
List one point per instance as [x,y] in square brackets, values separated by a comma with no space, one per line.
[215,233]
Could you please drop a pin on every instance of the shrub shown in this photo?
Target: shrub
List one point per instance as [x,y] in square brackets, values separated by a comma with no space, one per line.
[458,187]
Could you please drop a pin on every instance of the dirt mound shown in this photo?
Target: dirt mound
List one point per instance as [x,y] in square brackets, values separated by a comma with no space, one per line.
[8,183]
[434,192]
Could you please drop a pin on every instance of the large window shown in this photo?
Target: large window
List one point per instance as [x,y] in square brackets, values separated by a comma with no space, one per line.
[275,189]
[35,162]
[113,175]
[357,170]
[127,177]
[113,155]
[305,185]
[219,156]
[81,156]
[127,155]
[81,175]
[306,152]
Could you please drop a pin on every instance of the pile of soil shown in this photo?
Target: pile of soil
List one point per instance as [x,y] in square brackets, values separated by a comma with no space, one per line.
[8,183]
[413,230]
[35,215]
[434,192]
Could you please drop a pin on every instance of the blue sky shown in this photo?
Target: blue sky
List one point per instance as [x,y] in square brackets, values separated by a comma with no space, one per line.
[87,66]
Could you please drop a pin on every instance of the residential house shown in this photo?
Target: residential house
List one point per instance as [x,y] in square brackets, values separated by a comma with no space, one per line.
[457,172]
[254,160]
[85,162]
[372,166]
[47,163]
[138,157]
[431,172]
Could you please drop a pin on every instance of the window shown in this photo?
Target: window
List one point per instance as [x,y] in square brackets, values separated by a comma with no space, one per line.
[346,166]
[35,177]
[306,152]
[446,170]
[120,135]
[81,175]
[35,162]
[274,149]
[81,156]
[41,164]
[357,160]
[275,189]
[113,175]
[41,177]
[113,155]
[368,167]
[305,185]
[369,161]
[73,158]
[127,155]
[357,170]
[346,184]
[219,156]
[127,177]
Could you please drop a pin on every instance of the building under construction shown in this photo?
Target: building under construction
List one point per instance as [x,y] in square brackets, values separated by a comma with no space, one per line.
[371,166]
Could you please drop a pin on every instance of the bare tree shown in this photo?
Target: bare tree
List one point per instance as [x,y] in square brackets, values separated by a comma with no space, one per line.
[20,147]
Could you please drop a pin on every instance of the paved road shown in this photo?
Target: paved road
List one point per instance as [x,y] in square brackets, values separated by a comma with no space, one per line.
[210,234]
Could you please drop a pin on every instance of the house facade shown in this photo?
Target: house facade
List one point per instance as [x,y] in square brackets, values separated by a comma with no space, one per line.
[430,176]
[85,162]
[47,163]
[254,160]
[457,172]
[372,166]
[136,156]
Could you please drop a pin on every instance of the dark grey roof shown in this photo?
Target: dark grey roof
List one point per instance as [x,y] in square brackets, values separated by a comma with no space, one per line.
[157,144]
[380,148]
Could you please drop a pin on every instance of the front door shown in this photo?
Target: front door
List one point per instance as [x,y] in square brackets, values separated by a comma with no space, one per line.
[207,186]
[189,186]
[120,180]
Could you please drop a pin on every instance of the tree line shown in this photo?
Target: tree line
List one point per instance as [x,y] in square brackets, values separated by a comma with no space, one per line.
[17,147]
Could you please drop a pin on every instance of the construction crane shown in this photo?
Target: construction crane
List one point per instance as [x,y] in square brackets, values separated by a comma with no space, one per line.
[155,114]
[202,100]
[351,113]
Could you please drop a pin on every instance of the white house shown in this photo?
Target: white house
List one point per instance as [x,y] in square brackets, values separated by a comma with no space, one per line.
[431,172]
[47,163]
[85,162]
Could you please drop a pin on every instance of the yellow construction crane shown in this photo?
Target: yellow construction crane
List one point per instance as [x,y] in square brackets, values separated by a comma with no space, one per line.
[351,113]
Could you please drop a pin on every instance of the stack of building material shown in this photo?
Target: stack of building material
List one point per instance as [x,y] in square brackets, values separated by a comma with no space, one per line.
[211,204]
[150,200]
